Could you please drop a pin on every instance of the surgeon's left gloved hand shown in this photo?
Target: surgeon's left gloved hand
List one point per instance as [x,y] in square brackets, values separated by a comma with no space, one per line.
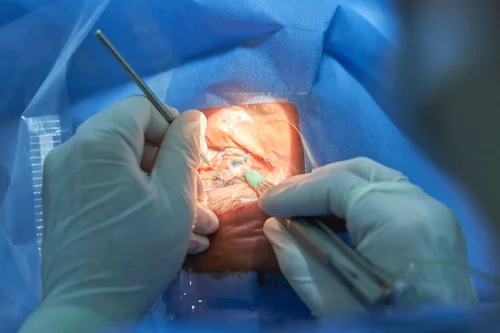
[114,238]
[392,223]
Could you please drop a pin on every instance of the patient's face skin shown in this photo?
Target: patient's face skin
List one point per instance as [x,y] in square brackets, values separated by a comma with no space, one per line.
[263,137]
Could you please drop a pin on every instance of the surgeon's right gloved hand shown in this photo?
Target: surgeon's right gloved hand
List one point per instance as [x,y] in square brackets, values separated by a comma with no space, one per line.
[392,222]
[114,238]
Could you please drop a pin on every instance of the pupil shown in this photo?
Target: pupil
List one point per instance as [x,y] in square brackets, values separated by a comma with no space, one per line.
[236,164]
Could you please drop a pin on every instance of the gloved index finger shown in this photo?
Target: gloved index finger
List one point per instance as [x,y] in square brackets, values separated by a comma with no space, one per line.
[179,155]
[365,168]
[123,127]
[310,195]
[327,190]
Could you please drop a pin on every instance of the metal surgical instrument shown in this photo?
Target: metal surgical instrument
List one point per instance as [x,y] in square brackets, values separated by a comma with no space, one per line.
[162,108]
[371,285]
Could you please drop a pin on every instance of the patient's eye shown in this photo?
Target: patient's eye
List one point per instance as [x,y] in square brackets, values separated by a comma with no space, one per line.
[232,164]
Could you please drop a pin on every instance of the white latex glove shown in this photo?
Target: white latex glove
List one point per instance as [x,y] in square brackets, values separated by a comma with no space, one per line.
[392,224]
[114,238]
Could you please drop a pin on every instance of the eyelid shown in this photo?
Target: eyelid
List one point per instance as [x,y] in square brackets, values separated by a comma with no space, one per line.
[214,184]
[233,154]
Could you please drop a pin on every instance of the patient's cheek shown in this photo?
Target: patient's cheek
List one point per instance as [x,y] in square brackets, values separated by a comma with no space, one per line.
[239,245]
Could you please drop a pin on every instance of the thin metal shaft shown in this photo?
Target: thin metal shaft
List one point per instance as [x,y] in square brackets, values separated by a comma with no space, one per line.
[162,108]
[207,162]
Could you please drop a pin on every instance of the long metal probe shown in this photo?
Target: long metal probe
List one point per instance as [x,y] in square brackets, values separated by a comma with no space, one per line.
[162,108]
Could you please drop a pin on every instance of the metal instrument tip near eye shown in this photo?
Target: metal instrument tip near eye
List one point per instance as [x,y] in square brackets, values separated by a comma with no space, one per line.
[162,108]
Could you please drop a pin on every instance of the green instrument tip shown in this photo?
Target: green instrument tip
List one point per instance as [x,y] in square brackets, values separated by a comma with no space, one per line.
[253,178]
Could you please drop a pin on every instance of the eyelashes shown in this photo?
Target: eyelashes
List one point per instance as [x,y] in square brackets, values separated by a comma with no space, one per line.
[236,180]
[216,183]
[235,154]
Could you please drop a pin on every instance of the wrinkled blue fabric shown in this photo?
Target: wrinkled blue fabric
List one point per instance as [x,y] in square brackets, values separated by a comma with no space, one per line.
[329,58]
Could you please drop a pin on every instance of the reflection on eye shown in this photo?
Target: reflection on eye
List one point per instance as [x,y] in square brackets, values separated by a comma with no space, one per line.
[237,164]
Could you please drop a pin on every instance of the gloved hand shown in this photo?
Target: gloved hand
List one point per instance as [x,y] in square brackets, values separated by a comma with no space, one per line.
[392,223]
[114,238]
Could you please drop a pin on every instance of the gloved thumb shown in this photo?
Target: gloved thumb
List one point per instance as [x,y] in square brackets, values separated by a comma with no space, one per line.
[177,161]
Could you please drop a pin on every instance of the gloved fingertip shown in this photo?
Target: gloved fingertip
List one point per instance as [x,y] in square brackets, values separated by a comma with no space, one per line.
[206,221]
[264,199]
[268,200]
[173,111]
[179,155]
[203,121]
[203,130]
[195,116]
[203,144]
[214,223]
[200,186]
[273,228]
[198,244]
